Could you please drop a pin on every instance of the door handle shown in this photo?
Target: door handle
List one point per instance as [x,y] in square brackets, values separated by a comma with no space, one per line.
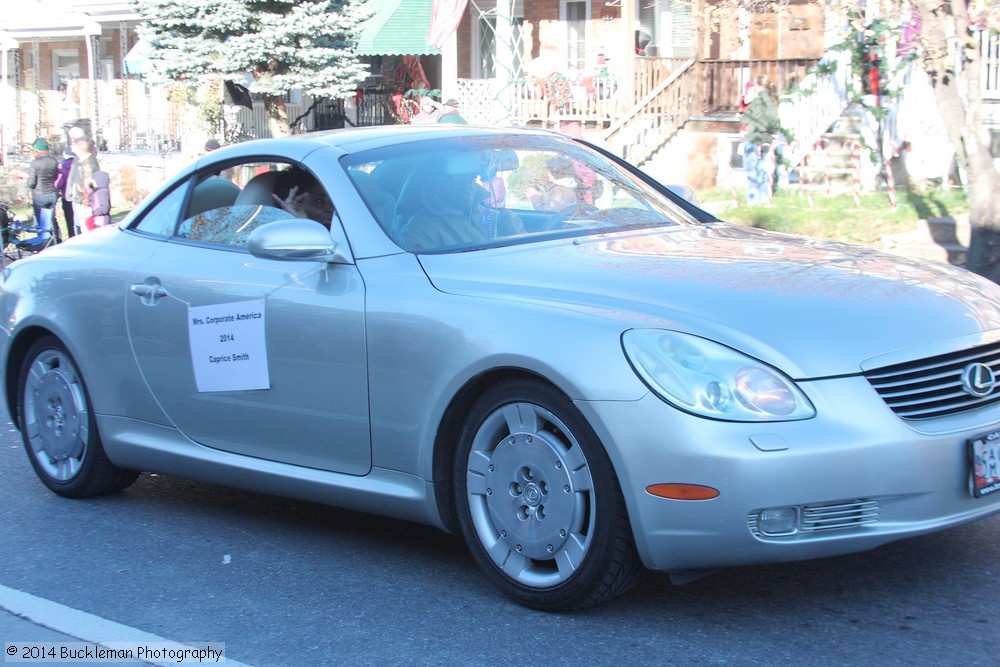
[149,294]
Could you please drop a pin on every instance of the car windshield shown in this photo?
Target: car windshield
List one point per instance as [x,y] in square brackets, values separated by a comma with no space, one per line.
[445,195]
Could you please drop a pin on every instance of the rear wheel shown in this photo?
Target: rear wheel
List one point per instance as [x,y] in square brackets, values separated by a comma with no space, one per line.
[539,503]
[58,426]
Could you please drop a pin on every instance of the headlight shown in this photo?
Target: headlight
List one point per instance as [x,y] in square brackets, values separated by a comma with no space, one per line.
[712,380]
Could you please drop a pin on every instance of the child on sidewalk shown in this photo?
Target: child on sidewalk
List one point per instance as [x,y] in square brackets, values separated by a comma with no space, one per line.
[100,200]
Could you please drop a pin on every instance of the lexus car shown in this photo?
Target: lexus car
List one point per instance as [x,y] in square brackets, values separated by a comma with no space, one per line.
[516,337]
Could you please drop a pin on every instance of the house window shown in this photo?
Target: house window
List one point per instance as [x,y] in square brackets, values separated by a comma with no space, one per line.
[23,62]
[650,19]
[681,28]
[65,66]
[487,47]
[486,65]
[576,14]
[107,70]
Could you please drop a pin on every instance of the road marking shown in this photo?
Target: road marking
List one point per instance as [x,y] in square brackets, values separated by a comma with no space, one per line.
[81,625]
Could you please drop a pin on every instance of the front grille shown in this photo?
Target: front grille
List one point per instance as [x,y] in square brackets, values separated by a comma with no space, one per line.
[932,387]
[837,516]
[820,518]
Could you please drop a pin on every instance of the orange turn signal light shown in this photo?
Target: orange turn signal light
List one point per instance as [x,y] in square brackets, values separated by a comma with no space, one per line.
[682,491]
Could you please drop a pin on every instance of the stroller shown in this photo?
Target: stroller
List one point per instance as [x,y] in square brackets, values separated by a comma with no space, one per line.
[20,239]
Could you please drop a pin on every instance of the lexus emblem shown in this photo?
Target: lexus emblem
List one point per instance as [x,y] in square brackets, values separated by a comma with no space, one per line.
[978,380]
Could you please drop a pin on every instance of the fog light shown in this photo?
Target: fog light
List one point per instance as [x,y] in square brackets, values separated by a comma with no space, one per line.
[777,520]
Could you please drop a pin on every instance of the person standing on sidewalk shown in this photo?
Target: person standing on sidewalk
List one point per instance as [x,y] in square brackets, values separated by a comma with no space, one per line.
[41,181]
[61,180]
[78,181]
[762,124]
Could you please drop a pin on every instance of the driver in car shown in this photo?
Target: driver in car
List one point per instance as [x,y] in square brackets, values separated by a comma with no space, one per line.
[454,213]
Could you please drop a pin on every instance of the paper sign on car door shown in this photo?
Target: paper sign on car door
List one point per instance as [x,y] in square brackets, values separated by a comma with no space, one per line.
[228,349]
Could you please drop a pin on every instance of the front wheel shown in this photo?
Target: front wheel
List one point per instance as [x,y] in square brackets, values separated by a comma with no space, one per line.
[538,501]
[58,426]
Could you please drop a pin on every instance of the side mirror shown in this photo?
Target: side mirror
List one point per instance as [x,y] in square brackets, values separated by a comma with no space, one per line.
[295,240]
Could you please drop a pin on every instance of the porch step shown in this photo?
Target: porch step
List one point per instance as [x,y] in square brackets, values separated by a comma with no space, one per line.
[728,123]
[954,255]
[823,178]
[849,122]
[835,149]
[938,239]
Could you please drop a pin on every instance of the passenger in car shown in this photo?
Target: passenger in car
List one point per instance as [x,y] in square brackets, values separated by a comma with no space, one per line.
[567,182]
[299,193]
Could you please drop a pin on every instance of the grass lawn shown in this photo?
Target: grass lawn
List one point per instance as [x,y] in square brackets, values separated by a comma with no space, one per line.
[836,216]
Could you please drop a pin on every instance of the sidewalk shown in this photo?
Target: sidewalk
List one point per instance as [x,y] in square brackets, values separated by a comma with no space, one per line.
[28,621]
[17,630]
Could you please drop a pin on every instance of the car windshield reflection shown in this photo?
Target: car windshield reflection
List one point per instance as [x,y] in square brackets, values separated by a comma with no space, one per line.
[471,193]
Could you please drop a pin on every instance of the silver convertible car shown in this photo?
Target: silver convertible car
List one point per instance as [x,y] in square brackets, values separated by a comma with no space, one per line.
[515,337]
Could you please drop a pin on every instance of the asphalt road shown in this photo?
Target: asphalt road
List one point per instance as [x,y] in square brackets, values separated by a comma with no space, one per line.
[289,583]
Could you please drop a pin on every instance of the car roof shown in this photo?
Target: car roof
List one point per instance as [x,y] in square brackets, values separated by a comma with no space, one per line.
[374,137]
[364,138]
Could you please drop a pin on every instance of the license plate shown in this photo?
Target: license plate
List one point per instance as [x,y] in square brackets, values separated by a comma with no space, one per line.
[984,452]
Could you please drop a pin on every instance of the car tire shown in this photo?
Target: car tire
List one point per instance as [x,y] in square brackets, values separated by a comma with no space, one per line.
[538,502]
[58,426]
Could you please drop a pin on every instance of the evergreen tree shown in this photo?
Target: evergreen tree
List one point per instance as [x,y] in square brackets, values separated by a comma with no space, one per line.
[281,44]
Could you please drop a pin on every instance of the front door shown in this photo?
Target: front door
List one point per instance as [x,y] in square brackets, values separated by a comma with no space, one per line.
[297,327]
[257,357]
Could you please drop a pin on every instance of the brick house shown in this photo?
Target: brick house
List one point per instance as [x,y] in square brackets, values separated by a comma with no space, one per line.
[629,73]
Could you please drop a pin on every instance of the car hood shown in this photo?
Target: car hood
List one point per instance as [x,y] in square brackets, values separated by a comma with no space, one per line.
[812,308]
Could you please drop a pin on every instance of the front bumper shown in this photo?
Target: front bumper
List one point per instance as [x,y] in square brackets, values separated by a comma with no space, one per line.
[855,457]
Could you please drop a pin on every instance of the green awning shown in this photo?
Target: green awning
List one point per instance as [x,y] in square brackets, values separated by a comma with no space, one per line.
[136,61]
[397,28]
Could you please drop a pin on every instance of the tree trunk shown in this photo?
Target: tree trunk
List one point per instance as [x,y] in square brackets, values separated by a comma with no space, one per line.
[984,213]
[277,115]
[965,129]
[959,100]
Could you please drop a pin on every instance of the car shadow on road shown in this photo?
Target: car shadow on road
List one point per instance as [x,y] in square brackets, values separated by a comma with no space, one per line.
[932,563]
[266,572]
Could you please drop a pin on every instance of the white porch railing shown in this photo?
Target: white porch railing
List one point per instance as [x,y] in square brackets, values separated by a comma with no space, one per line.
[534,101]
[486,101]
[661,113]
[810,113]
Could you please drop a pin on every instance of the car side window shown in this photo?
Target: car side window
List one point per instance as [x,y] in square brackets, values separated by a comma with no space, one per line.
[225,208]
[162,218]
